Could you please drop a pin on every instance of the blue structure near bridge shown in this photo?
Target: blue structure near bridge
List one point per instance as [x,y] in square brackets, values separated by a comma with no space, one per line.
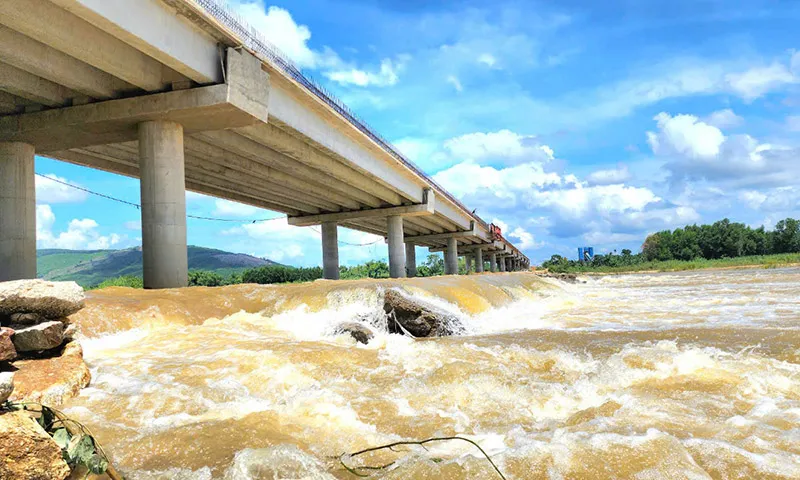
[585,254]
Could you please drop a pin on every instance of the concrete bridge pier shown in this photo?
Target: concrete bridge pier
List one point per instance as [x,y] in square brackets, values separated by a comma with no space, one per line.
[163,194]
[17,212]
[397,254]
[479,260]
[501,264]
[451,257]
[330,250]
[411,260]
[493,262]
[468,262]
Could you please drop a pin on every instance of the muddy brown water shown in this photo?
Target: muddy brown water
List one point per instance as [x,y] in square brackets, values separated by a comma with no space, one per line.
[679,376]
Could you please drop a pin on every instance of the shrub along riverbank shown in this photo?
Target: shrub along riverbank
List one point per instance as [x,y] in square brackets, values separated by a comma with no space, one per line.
[719,245]
[269,274]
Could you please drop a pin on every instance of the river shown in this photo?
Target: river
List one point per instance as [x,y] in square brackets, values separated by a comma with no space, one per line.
[676,376]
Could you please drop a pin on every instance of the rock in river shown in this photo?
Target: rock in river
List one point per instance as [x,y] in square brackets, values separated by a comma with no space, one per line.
[359,332]
[38,337]
[7,350]
[27,452]
[418,319]
[6,385]
[48,299]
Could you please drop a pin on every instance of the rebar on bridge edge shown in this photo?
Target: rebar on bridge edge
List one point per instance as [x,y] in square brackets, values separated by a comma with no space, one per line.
[254,40]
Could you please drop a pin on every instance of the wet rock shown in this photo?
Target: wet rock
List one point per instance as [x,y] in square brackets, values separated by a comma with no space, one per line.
[27,452]
[47,299]
[38,337]
[6,385]
[564,277]
[359,332]
[416,318]
[51,381]
[7,350]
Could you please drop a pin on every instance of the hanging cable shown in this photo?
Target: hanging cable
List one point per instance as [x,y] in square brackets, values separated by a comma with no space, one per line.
[125,202]
[350,244]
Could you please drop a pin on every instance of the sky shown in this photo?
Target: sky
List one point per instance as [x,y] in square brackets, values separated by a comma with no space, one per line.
[574,123]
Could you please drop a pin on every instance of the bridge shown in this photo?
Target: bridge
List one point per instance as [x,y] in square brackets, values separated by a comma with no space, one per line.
[183,95]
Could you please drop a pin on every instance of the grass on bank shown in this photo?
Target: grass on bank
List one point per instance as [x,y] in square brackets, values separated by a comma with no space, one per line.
[765,261]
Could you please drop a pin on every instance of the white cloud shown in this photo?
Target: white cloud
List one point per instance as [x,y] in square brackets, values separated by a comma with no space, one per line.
[48,191]
[685,135]
[387,75]
[526,240]
[487,59]
[133,225]
[609,176]
[698,151]
[226,208]
[278,26]
[725,118]
[455,82]
[503,144]
[756,82]
[81,234]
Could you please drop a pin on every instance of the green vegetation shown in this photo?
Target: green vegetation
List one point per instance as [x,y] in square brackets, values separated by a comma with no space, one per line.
[722,244]
[271,274]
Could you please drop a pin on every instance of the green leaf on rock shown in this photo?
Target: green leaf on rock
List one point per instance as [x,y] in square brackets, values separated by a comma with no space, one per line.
[97,464]
[80,450]
[61,437]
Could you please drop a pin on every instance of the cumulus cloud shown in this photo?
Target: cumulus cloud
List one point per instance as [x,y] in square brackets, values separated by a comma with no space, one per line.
[725,118]
[609,176]
[502,145]
[279,27]
[569,206]
[487,59]
[696,150]
[81,234]
[48,191]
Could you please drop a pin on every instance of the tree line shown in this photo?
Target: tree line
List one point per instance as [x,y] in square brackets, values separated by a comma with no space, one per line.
[720,240]
[271,274]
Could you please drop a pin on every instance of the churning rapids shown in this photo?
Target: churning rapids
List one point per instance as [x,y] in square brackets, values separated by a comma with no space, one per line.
[674,376]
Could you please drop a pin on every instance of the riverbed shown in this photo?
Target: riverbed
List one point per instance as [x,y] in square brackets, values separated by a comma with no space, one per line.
[689,375]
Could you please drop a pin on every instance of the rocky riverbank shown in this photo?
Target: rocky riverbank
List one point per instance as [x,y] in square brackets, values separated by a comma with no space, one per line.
[40,363]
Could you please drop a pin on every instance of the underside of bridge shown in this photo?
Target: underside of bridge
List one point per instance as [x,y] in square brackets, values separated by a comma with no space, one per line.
[164,91]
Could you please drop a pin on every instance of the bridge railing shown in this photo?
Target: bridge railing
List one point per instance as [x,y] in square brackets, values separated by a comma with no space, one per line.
[255,41]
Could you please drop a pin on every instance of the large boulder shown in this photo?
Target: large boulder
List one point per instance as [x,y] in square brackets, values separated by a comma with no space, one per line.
[27,452]
[43,336]
[54,380]
[417,318]
[7,350]
[6,385]
[48,299]
[359,332]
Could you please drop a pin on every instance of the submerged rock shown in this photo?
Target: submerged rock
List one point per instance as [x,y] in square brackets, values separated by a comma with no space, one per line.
[6,385]
[51,381]
[7,350]
[43,336]
[359,332]
[416,318]
[27,451]
[47,299]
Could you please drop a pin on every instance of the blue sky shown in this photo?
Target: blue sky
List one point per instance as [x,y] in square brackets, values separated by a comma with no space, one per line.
[568,123]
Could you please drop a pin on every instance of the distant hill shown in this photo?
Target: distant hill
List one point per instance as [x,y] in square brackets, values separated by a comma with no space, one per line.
[90,267]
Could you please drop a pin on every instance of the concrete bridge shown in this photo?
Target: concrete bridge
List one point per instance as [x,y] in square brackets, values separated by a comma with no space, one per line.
[183,95]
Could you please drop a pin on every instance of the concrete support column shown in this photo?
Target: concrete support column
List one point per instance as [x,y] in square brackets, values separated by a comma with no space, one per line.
[330,251]
[509,264]
[411,260]
[17,212]
[468,263]
[451,257]
[397,254]
[478,260]
[493,262]
[163,190]
[501,262]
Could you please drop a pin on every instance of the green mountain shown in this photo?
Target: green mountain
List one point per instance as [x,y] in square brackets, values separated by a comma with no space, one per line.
[90,267]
